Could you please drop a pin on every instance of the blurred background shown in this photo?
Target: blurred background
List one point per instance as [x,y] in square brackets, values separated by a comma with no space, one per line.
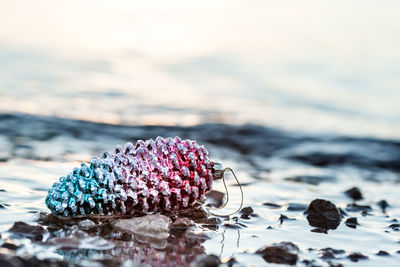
[310,66]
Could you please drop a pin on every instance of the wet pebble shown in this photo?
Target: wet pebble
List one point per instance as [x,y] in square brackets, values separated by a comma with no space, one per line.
[311,179]
[395,226]
[211,223]
[281,253]
[352,222]
[182,223]
[383,205]
[330,253]
[215,198]
[296,207]
[10,246]
[323,215]
[86,224]
[382,253]
[355,207]
[356,256]
[246,213]
[235,225]
[283,218]
[207,261]
[354,193]
[30,231]
[272,205]
[155,225]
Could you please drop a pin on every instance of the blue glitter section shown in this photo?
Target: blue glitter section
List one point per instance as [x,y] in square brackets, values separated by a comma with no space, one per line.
[84,191]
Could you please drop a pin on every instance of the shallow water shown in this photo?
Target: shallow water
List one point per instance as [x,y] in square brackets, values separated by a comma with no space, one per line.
[300,98]
[275,167]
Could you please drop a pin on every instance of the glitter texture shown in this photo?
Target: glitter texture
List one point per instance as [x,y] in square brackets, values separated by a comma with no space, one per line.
[159,175]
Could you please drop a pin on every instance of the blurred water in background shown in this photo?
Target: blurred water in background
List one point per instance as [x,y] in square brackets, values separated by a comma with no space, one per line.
[313,66]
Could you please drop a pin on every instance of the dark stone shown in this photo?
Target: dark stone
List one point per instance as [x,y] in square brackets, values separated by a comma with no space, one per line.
[215,198]
[246,213]
[2,206]
[296,207]
[285,218]
[282,253]
[231,262]
[208,261]
[356,256]
[342,212]
[355,207]
[310,179]
[235,225]
[10,246]
[382,253]
[272,205]
[182,223]
[383,205]
[323,214]
[211,223]
[27,229]
[352,222]
[330,253]
[310,263]
[394,226]
[354,193]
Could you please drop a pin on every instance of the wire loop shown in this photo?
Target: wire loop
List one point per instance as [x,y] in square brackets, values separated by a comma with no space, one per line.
[227,196]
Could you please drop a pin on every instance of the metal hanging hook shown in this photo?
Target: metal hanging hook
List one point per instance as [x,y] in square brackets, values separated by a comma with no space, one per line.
[227,195]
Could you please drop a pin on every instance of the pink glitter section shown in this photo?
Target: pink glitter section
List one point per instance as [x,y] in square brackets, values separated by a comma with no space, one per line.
[163,175]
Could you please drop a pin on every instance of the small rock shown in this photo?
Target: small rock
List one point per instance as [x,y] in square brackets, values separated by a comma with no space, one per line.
[246,212]
[323,214]
[271,205]
[310,179]
[207,261]
[235,225]
[352,222]
[195,213]
[282,253]
[296,207]
[10,246]
[383,205]
[215,198]
[355,207]
[354,193]
[86,224]
[382,253]
[285,218]
[30,231]
[211,223]
[394,226]
[356,256]
[330,253]
[155,225]
[342,212]
[182,223]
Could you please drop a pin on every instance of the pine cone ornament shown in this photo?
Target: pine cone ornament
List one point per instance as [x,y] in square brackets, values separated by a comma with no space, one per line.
[153,176]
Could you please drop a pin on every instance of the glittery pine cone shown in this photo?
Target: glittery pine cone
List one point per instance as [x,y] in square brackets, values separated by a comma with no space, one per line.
[153,176]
